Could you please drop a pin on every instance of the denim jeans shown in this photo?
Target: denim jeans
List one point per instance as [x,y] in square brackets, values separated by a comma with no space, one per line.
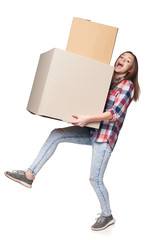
[101,152]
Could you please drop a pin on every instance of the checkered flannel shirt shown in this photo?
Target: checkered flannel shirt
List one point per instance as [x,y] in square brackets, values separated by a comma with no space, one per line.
[117,103]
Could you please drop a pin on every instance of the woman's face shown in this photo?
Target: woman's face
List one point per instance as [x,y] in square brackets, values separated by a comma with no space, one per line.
[124,63]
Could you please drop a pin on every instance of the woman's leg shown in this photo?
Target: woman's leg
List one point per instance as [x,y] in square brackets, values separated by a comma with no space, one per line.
[100,156]
[70,134]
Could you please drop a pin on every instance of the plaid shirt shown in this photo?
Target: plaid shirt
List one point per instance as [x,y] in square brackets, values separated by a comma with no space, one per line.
[117,103]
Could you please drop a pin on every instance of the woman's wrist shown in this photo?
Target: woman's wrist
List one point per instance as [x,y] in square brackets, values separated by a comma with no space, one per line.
[100,117]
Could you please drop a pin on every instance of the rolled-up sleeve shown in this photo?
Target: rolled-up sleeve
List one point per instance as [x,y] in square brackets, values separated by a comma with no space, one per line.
[122,101]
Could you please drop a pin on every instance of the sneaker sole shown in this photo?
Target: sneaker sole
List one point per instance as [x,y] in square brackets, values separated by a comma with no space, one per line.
[18,181]
[102,228]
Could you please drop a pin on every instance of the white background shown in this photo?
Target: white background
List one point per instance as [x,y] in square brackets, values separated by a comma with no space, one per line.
[62,204]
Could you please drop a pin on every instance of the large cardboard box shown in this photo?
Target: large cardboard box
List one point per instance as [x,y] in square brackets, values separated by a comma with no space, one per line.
[66,83]
[92,40]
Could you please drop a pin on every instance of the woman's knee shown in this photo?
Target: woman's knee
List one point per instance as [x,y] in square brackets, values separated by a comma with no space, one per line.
[56,135]
[60,130]
[96,181]
[93,181]
[57,131]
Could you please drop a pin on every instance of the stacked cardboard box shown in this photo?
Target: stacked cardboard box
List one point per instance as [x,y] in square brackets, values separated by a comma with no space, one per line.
[92,40]
[75,81]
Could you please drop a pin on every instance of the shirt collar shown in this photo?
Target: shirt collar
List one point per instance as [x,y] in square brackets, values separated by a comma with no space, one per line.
[119,79]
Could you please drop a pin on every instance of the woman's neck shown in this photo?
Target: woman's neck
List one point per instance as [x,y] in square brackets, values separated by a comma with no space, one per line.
[117,75]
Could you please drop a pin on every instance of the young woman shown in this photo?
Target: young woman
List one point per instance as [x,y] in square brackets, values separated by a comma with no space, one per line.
[124,88]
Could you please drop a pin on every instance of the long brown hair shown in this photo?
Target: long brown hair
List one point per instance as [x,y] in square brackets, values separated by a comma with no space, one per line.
[131,75]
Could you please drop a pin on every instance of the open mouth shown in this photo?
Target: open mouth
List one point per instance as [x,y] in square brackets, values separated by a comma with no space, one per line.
[120,65]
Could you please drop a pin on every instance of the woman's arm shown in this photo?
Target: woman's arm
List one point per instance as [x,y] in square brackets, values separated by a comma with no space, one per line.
[122,100]
[120,106]
[82,120]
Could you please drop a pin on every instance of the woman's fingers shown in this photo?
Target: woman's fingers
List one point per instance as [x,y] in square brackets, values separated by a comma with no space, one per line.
[77,122]
[75,116]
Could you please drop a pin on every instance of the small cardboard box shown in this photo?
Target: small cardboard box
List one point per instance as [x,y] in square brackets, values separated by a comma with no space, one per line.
[92,40]
[66,83]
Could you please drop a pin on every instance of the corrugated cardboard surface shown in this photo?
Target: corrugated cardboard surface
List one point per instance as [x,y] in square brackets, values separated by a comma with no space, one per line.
[92,40]
[66,84]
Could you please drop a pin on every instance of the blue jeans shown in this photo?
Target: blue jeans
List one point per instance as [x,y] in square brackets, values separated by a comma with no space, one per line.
[101,152]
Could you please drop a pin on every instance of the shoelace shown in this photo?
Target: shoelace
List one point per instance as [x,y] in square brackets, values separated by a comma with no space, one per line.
[100,218]
[18,172]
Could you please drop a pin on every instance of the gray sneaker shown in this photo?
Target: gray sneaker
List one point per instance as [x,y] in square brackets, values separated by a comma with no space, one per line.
[20,177]
[103,222]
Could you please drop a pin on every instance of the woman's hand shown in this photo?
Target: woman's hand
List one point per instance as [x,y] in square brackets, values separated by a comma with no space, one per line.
[81,120]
